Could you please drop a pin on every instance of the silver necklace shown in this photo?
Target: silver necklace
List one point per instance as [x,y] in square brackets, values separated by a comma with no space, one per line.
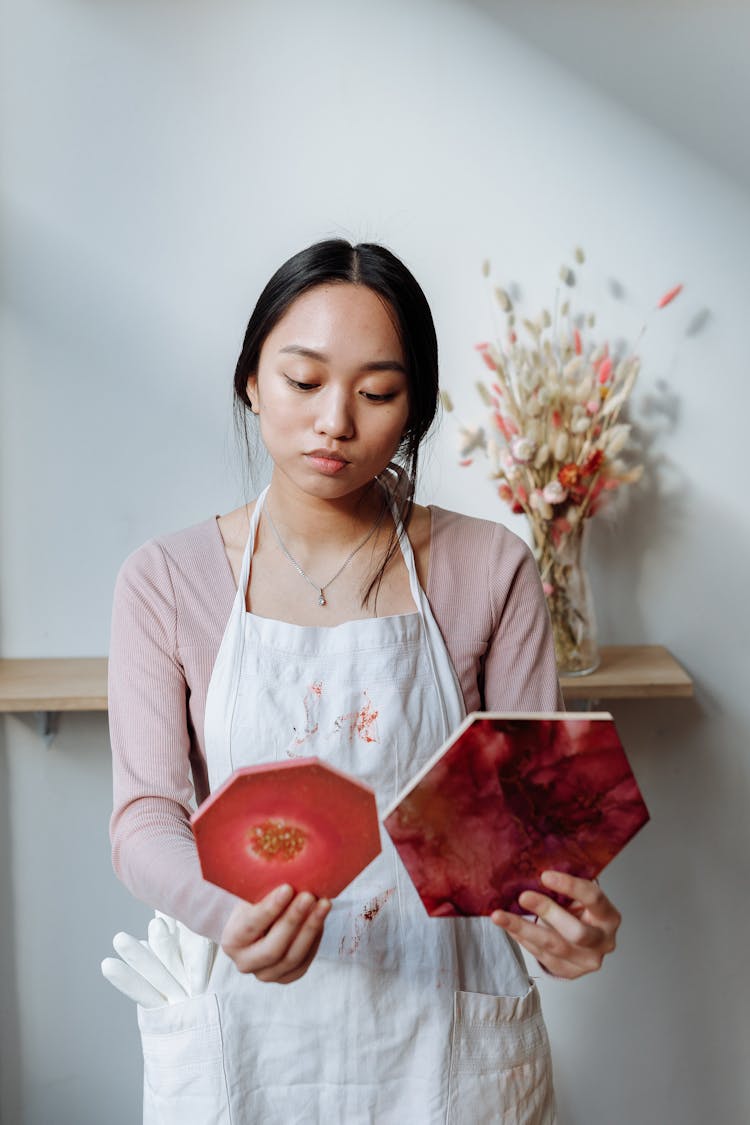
[321,589]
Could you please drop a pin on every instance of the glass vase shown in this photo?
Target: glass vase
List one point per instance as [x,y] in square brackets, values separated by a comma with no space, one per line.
[571,608]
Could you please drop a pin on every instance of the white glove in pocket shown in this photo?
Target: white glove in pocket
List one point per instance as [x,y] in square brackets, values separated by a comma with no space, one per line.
[172,965]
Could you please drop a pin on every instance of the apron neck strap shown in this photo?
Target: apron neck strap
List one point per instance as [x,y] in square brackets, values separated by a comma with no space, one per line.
[249,546]
[391,487]
[395,482]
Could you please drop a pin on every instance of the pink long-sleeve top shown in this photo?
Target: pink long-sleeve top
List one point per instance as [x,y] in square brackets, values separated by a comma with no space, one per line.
[172,600]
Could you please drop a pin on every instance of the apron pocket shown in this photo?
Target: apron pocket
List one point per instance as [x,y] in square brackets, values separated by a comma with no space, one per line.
[183,1063]
[501,1068]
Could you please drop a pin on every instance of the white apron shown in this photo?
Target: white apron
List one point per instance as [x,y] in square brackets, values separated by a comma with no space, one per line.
[401,1017]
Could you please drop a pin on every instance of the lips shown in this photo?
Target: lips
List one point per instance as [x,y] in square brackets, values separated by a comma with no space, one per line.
[326,455]
[326,461]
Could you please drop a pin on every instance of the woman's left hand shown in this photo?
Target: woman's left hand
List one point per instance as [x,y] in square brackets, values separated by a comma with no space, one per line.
[567,941]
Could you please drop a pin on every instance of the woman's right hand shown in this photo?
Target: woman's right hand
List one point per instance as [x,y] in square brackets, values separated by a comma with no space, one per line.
[277,938]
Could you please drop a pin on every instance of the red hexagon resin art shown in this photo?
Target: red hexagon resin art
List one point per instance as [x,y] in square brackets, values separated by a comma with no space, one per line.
[300,822]
[508,796]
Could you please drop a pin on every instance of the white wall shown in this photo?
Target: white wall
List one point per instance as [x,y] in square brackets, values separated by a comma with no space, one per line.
[159,161]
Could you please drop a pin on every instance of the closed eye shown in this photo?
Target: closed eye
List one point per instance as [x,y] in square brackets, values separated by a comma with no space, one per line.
[377,398]
[300,386]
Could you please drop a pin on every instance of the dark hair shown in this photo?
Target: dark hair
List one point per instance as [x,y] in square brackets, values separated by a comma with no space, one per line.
[366,263]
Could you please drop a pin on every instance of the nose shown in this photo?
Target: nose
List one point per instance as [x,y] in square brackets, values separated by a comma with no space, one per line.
[334,417]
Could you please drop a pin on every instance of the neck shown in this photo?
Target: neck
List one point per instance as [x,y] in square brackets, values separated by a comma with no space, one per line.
[303,518]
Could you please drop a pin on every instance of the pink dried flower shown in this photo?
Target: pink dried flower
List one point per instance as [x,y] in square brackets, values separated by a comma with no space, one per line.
[669,296]
[548,588]
[592,407]
[506,426]
[577,341]
[466,462]
[605,369]
[559,528]
[554,493]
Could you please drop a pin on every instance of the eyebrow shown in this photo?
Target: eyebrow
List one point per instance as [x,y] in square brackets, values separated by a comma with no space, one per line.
[374,365]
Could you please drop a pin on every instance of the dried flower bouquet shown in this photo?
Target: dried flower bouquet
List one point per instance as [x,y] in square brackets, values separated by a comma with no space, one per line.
[556,445]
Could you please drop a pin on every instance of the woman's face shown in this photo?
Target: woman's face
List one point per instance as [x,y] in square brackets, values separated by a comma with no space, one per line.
[331,390]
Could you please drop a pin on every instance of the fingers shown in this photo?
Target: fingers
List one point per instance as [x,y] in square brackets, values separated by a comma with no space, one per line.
[556,954]
[587,893]
[301,952]
[568,942]
[287,948]
[277,938]
[576,930]
[250,921]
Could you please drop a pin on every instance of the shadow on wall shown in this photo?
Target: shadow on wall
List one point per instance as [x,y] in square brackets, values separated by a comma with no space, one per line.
[10,1057]
[73,1044]
[672,999]
[645,521]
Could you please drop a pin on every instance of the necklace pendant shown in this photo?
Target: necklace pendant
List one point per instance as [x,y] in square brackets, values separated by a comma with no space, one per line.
[321,599]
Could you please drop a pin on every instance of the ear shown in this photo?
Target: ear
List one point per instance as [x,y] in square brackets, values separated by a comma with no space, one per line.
[251,389]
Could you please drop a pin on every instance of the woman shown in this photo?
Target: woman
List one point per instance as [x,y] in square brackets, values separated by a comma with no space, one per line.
[335,617]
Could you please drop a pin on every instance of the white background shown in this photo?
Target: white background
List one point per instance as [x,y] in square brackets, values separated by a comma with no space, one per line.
[158,162]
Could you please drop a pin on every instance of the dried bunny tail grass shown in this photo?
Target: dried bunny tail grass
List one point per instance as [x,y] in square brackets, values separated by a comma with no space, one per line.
[617,400]
[584,388]
[561,446]
[484,394]
[447,401]
[538,504]
[493,455]
[617,439]
[632,476]
[542,456]
[554,435]
[573,366]
[503,299]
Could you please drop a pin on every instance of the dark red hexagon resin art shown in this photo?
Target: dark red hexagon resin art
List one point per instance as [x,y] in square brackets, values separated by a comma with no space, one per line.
[508,797]
[300,822]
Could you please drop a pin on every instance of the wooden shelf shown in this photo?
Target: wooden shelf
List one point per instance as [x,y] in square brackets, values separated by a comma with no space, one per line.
[631,672]
[67,684]
[75,684]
